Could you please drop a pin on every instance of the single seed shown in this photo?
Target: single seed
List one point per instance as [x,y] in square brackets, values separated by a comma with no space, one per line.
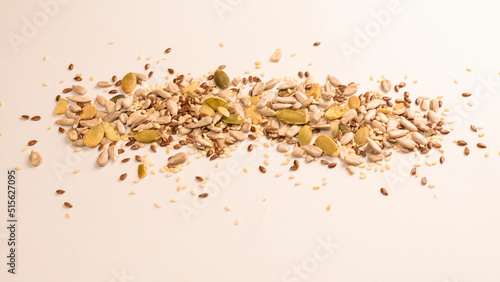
[262,169]
[168,50]
[25,116]
[332,165]
[441,159]
[32,142]
[125,160]
[71,67]
[123,176]
[203,195]
[461,143]
[250,148]
[424,181]
[199,178]
[317,43]
[465,94]
[384,191]
[481,145]
[36,118]
[60,191]
[62,130]
[473,128]
[68,205]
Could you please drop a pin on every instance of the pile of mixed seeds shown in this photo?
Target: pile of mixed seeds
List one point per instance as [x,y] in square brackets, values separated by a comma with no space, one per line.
[213,114]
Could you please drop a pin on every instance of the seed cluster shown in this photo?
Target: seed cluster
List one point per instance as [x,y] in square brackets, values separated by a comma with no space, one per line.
[213,114]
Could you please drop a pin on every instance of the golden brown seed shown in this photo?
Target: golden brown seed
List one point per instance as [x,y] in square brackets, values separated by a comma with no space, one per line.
[203,195]
[424,181]
[384,191]
[332,165]
[262,169]
[466,151]
[168,50]
[68,205]
[71,67]
[123,176]
[465,94]
[413,171]
[60,191]
[199,178]
[129,82]
[250,148]
[32,142]
[461,143]
[481,145]
[441,159]
[473,128]
[316,43]
[36,118]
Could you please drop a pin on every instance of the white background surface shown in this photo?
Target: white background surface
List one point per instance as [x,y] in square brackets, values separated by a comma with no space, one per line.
[112,236]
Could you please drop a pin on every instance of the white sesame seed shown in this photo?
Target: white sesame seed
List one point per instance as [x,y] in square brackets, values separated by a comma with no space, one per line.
[227,208]
[77,170]
[158,205]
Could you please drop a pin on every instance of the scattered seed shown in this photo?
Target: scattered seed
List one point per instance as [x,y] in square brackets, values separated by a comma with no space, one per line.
[60,191]
[317,43]
[68,205]
[199,178]
[461,143]
[466,151]
[203,195]
[36,118]
[71,67]
[465,94]
[32,142]
[481,145]
[384,191]
[424,181]
[441,159]
[262,169]
[123,176]
[473,128]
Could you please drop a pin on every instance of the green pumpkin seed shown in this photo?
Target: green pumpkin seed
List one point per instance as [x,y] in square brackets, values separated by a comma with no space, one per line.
[336,112]
[215,103]
[327,145]
[110,132]
[225,112]
[147,136]
[345,128]
[353,102]
[88,112]
[361,135]
[129,81]
[190,88]
[334,128]
[207,111]
[191,94]
[221,79]
[141,171]
[286,92]
[94,136]
[233,119]
[61,107]
[116,97]
[314,92]
[305,135]
[292,117]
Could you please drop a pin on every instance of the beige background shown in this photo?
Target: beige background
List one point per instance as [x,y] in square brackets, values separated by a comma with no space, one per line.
[112,236]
